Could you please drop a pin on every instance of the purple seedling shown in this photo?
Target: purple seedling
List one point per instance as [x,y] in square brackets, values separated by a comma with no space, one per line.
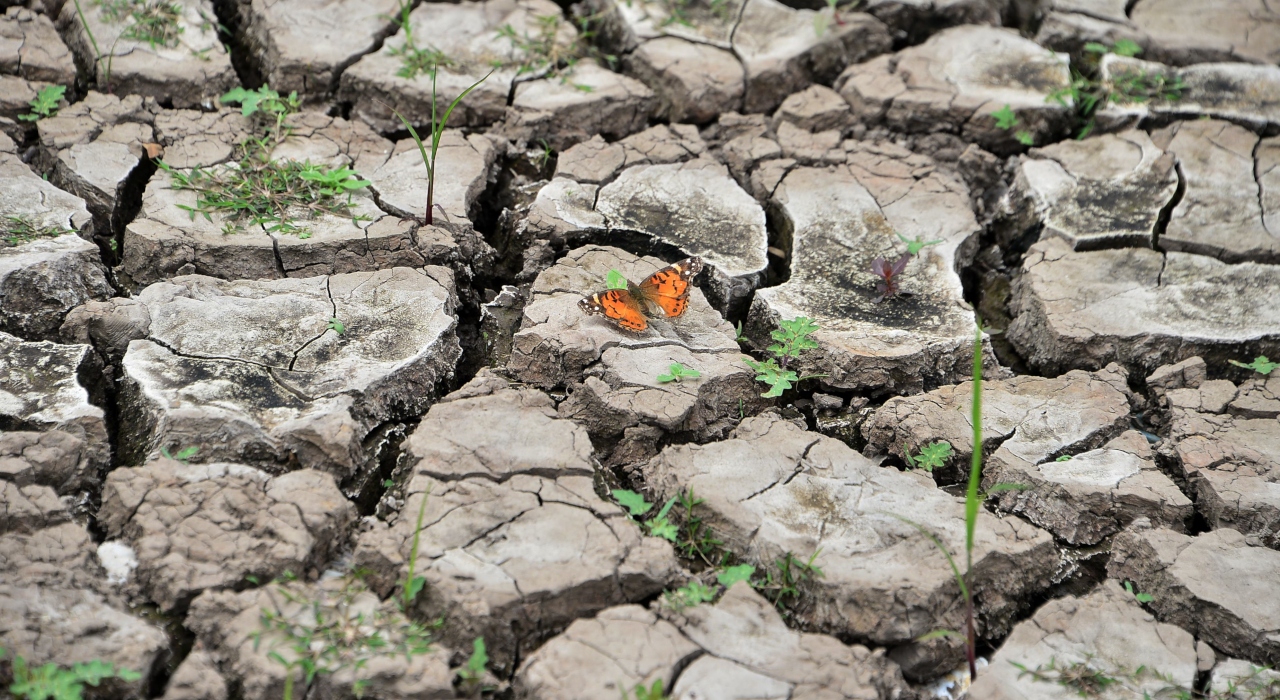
[888,274]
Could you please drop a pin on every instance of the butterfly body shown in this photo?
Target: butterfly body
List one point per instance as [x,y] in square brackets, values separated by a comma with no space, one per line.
[665,291]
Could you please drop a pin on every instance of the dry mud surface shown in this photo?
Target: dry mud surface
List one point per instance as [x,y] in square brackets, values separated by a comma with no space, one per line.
[272,426]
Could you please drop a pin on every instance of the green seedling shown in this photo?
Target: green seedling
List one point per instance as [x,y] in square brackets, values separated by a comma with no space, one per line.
[733,574]
[915,245]
[388,483]
[781,582]
[1063,458]
[769,372]
[793,338]
[46,103]
[932,456]
[678,372]
[1260,364]
[615,280]
[544,154]
[689,595]
[412,584]
[154,22]
[695,539]
[473,672]
[267,102]
[23,229]
[337,326]
[1006,119]
[437,131]
[1140,597]
[738,337]
[653,692]
[1122,47]
[632,501]
[1080,676]
[414,60]
[53,682]
[661,526]
[184,455]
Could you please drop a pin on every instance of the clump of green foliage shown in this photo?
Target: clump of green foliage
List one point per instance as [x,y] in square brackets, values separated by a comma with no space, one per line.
[545,51]
[653,692]
[931,456]
[473,672]
[260,191]
[781,581]
[677,372]
[1260,364]
[1086,94]
[793,339]
[1140,597]
[19,229]
[152,21]
[46,103]
[687,596]
[54,682]
[184,455]
[1007,119]
[416,60]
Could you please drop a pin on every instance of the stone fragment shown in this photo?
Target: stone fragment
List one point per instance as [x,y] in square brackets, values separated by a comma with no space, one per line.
[1236,612]
[1107,632]
[1227,211]
[1224,440]
[1104,192]
[516,544]
[740,645]
[208,526]
[170,52]
[46,270]
[474,46]
[43,390]
[371,642]
[692,81]
[587,100]
[257,371]
[29,508]
[816,108]
[774,488]
[55,608]
[1139,308]
[1236,679]
[955,80]
[31,48]
[839,220]
[196,678]
[1093,493]
[306,46]
[1177,32]
[1242,93]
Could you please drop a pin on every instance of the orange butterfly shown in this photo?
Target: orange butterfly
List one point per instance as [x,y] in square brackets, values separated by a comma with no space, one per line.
[668,289]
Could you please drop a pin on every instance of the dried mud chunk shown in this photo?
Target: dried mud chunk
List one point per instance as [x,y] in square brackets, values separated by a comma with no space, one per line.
[31,48]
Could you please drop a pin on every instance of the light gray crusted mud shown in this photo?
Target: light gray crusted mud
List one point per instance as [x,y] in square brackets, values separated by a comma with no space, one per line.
[1225,440]
[166,240]
[955,80]
[62,441]
[196,678]
[58,606]
[1139,308]
[1178,32]
[1237,679]
[197,527]
[29,508]
[515,543]
[1104,484]
[739,646]
[31,48]
[340,611]
[306,45]
[255,371]
[1105,631]
[1236,613]
[662,187]
[184,65]
[587,100]
[839,220]
[774,488]
[1103,192]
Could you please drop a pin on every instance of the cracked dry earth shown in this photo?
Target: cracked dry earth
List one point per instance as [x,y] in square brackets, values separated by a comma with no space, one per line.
[233,450]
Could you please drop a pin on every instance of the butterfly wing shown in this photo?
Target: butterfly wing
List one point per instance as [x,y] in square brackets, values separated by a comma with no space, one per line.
[617,305]
[669,287]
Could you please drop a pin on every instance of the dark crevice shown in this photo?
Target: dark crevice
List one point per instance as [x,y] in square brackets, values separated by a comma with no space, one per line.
[232,34]
[1162,220]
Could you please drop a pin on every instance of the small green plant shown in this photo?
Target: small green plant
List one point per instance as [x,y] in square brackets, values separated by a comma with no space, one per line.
[1007,119]
[415,60]
[45,104]
[678,372]
[653,692]
[265,101]
[915,245]
[733,574]
[23,229]
[615,280]
[1122,47]
[544,154]
[695,539]
[437,131]
[184,455]
[1078,676]
[97,53]
[336,326]
[412,584]
[473,672]
[688,595]
[781,582]
[1260,364]
[1140,597]
[793,339]
[932,456]
[1137,86]
[1063,458]
[154,22]
[54,682]
[661,526]
[632,501]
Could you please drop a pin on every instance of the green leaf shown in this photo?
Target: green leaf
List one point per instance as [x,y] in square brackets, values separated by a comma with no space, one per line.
[778,379]
[415,587]
[914,246]
[388,483]
[932,456]
[1005,118]
[1126,47]
[93,672]
[1095,47]
[733,574]
[615,280]
[661,527]
[479,661]
[1260,364]
[678,372]
[46,103]
[632,501]
[187,453]
[1025,138]
[1063,458]
[337,326]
